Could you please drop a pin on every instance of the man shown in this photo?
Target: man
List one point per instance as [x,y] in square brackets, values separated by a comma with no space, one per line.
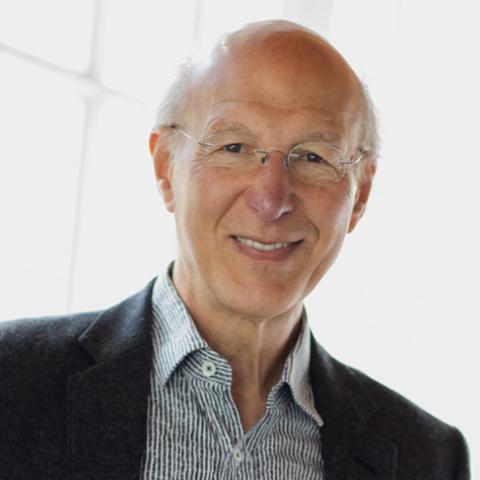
[265,154]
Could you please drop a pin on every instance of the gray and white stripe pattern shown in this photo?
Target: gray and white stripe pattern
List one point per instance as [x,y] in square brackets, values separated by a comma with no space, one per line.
[193,426]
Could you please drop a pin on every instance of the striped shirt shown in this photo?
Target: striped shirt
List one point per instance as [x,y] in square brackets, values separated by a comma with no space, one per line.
[193,426]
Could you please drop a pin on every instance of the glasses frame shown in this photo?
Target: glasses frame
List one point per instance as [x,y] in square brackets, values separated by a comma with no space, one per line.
[266,152]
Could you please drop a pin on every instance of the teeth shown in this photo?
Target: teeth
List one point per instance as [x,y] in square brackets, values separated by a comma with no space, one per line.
[262,246]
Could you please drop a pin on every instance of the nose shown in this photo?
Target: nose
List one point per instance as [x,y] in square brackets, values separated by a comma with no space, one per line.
[270,194]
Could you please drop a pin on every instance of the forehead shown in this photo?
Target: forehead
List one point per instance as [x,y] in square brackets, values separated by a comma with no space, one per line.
[291,76]
[256,119]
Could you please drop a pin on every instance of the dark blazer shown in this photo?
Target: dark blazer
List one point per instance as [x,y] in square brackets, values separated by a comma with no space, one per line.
[73,401]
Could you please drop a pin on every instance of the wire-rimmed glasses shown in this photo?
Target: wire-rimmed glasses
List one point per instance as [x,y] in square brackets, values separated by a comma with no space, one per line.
[314,162]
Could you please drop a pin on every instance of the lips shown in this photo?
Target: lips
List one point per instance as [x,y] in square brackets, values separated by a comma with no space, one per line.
[263,246]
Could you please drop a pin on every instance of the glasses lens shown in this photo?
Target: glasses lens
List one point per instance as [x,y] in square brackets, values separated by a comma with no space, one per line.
[317,163]
[237,156]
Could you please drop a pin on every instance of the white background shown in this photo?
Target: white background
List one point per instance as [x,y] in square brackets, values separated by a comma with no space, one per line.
[82,226]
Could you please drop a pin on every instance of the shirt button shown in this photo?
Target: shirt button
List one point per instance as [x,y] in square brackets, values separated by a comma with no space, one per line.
[237,455]
[208,368]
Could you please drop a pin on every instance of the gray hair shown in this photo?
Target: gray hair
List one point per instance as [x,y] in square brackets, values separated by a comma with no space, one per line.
[180,95]
[370,141]
[177,99]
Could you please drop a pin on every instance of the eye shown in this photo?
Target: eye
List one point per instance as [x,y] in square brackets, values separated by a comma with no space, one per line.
[313,157]
[233,147]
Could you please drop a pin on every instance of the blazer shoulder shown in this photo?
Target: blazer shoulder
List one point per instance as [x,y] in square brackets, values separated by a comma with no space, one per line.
[421,438]
[42,334]
[372,399]
[426,447]
[41,350]
[53,337]
[393,404]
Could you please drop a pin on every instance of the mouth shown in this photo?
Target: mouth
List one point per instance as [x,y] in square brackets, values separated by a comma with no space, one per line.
[264,247]
[278,250]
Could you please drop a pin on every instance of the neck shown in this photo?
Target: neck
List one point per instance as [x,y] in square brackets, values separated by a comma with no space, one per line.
[256,351]
[256,348]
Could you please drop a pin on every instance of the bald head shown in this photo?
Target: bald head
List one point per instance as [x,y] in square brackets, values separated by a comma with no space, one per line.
[286,65]
[278,64]
[296,54]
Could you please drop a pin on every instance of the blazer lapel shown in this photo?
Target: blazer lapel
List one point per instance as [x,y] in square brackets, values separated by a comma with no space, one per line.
[107,400]
[350,449]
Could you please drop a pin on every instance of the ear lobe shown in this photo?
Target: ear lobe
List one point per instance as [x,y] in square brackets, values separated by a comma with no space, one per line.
[162,166]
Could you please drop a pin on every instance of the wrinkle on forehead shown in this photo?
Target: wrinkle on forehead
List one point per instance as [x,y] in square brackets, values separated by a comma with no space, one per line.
[255,122]
[225,113]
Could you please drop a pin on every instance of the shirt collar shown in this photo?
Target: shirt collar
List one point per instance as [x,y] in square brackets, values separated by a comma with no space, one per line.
[296,372]
[174,333]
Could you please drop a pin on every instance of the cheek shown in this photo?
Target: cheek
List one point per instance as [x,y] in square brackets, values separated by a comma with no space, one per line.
[329,214]
[330,211]
[204,196]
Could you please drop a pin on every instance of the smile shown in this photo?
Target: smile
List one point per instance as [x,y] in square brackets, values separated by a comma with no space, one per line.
[264,247]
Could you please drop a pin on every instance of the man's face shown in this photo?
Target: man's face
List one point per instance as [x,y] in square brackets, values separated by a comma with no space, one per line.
[277,96]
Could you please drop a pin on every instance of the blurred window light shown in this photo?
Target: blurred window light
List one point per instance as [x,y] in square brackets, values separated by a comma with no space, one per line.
[143,43]
[121,210]
[41,130]
[58,31]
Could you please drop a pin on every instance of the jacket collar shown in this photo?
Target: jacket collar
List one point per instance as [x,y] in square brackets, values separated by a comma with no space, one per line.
[107,400]
[107,404]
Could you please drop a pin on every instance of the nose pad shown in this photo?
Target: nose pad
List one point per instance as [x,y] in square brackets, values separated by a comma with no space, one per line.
[266,157]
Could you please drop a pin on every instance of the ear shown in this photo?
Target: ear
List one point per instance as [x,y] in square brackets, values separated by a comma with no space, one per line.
[162,162]
[361,196]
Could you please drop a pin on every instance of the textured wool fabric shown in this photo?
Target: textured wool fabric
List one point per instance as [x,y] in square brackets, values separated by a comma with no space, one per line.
[73,406]
[193,426]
